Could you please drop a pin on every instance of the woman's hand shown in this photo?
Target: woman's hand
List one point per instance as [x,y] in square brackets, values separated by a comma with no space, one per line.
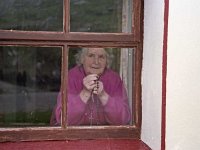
[89,83]
[98,89]
[101,93]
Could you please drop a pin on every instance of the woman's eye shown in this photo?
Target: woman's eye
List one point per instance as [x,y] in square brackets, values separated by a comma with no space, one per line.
[90,55]
[101,57]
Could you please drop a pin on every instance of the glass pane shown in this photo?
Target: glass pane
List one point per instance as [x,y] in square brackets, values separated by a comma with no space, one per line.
[40,15]
[99,87]
[29,85]
[100,15]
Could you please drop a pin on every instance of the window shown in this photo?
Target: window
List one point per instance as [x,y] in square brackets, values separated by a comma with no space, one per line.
[37,43]
[30,81]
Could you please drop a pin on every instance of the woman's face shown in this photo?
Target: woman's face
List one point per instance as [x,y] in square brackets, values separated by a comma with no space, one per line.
[94,61]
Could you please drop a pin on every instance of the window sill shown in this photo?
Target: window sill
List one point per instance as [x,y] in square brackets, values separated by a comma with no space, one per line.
[100,144]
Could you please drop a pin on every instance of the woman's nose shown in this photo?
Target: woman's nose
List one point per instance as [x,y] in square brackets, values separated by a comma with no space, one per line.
[96,60]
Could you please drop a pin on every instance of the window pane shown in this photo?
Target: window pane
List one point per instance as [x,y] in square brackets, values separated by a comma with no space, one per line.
[29,85]
[99,87]
[100,15]
[42,15]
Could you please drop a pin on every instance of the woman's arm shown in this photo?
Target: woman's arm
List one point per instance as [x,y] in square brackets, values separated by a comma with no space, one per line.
[116,108]
[117,111]
[75,109]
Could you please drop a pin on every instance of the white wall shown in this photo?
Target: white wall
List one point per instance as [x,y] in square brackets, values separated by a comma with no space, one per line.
[183,74]
[152,73]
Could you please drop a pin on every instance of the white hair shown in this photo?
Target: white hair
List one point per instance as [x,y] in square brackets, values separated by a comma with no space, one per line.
[81,54]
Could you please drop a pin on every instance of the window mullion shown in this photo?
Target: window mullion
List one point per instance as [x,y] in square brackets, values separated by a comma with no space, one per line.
[66,14]
[64,77]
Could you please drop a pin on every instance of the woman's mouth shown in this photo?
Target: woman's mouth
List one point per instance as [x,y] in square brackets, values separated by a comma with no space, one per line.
[95,67]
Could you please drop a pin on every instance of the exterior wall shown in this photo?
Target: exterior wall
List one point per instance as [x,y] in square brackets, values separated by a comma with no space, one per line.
[152,72]
[183,73]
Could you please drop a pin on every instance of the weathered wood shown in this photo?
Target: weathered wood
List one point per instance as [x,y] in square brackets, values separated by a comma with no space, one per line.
[98,144]
[65,37]
[56,133]
[70,44]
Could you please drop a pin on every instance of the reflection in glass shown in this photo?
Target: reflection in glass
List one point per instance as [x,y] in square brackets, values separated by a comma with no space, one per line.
[42,15]
[100,15]
[29,84]
[97,91]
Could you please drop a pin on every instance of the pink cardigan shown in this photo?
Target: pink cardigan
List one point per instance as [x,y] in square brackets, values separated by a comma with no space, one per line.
[115,112]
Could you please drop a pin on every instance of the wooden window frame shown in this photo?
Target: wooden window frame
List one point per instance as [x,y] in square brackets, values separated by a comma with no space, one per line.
[68,39]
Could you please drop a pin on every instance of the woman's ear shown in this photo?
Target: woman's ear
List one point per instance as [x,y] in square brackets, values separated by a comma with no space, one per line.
[82,59]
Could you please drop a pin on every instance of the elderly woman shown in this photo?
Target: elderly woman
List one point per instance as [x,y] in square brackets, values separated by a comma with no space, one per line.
[96,94]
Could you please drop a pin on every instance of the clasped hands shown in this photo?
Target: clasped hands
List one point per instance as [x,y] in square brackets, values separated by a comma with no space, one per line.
[92,85]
